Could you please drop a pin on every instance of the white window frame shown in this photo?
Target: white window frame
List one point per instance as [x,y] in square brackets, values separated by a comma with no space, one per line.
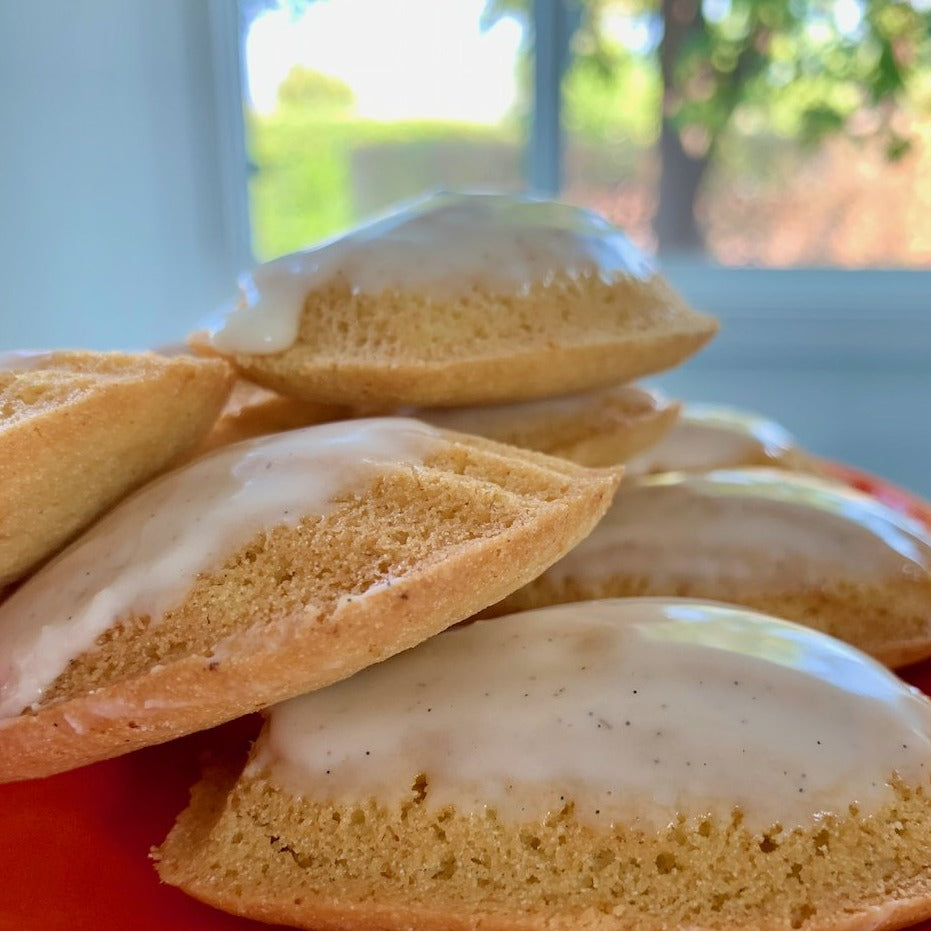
[805,317]
[227,51]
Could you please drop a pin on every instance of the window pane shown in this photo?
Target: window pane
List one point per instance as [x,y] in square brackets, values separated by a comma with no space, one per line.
[770,202]
[611,104]
[804,139]
[356,104]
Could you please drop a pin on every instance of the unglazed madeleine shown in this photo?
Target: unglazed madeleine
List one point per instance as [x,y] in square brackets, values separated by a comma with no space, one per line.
[608,765]
[457,300]
[710,436]
[79,430]
[795,546]
[254,411]
[267,569]
[594,428]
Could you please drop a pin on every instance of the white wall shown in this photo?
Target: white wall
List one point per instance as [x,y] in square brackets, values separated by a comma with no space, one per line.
[111,229]
[841,358]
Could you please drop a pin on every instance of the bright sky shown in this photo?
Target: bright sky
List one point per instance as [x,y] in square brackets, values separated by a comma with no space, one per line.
[412,59]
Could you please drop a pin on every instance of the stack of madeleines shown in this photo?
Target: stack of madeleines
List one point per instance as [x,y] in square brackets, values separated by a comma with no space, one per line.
[410,427]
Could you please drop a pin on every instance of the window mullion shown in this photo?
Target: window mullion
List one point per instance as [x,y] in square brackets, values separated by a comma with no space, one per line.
[233,163]
[550,55]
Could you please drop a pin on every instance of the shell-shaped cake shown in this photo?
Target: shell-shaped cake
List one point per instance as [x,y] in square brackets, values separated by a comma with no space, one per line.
[792,545]
[712,436]
[635,763]
[454,300]
[79,430]
[594,428]
[269,568]
[253,411]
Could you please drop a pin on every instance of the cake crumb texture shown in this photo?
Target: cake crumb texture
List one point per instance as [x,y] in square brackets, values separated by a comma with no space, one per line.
[80,430]
[401,347]
[252,849]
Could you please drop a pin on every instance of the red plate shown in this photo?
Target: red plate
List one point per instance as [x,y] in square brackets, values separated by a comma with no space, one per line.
[74,847]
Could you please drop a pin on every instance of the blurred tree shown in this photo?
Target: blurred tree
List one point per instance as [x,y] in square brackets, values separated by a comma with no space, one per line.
[320,94]
[803,68]
[618,104]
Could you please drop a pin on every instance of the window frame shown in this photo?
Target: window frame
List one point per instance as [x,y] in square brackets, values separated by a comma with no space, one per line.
[227,49]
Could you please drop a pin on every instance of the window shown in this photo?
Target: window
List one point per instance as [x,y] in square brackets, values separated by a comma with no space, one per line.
[353,105]
[797,134]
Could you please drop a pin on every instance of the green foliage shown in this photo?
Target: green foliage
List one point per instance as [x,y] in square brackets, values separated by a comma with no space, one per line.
[299,191]
[321,94]
[318,172]
[794,66]
[620,103]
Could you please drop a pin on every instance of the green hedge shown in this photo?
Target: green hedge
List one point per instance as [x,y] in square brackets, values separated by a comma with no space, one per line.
[313,178]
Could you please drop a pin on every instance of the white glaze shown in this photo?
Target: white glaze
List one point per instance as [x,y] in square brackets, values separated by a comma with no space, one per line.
[444,244]
[634,709]
[489,419]
[762,528]
[143,557]
[707,436]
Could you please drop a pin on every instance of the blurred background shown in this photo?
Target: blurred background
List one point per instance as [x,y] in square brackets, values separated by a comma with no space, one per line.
[776,154]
